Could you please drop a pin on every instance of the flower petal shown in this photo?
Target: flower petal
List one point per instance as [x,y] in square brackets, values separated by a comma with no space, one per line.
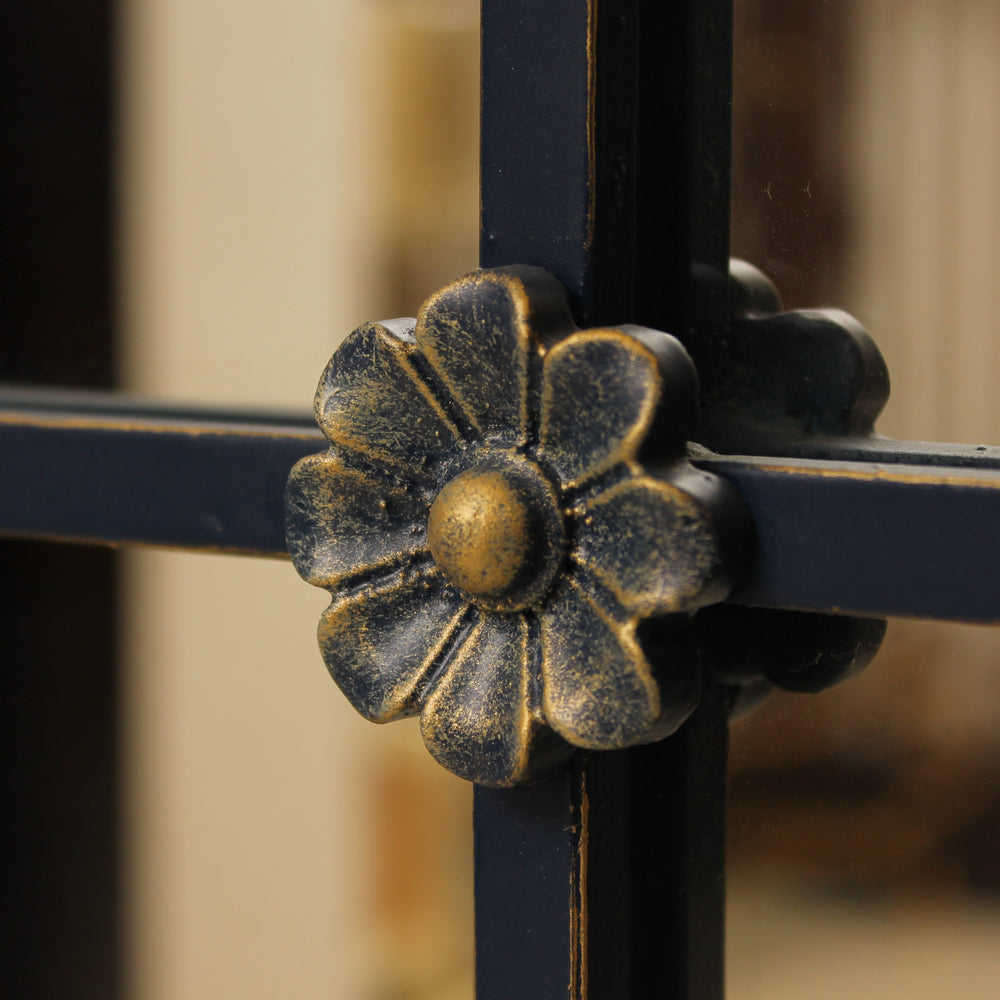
[597,689]
[342,522]
[372,400]
[653,545]
[479,721]
[380,645]
[606,391]
[477,335]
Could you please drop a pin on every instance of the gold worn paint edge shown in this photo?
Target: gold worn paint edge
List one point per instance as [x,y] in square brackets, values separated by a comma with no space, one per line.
[195,430]
[133,543]
[877,473]
[588,238]
[578,911]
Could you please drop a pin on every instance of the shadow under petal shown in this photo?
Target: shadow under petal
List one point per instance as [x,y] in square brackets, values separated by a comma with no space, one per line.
[372,400]
[342,523]
[380,644]
[479,722]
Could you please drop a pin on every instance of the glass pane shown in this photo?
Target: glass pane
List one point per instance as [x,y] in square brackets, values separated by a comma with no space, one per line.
[864,820]
[863,829]
[866,152]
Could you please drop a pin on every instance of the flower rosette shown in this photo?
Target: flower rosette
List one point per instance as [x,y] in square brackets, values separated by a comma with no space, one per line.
[508,524]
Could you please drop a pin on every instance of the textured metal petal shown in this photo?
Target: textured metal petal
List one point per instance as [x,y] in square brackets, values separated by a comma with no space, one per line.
[480,721]
[652,545]
[597,689]
[343,523]
[478,334]
[372,400]
[564,452]
[381,645]
[600,395]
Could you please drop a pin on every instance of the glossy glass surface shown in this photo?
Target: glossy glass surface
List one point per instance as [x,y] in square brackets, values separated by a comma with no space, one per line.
[863,821]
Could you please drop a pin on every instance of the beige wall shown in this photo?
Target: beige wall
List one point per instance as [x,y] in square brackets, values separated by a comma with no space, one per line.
[249,249]
[278,191]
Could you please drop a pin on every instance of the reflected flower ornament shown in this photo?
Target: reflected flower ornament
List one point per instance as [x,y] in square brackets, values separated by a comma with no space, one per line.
[505,499]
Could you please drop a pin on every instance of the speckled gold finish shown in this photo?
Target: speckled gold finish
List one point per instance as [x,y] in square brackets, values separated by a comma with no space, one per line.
[496,533]
[505,501]
[479,532]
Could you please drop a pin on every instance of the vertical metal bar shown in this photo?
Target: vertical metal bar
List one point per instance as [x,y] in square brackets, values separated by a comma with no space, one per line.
[676,837]
[605,159]
[558,145]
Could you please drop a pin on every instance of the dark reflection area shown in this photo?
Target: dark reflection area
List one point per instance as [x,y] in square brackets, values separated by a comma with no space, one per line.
[866,817]
[57,316]
[862,790]
[790,215]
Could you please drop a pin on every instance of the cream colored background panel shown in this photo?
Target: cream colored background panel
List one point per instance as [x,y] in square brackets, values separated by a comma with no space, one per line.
[251,171]
[248,251]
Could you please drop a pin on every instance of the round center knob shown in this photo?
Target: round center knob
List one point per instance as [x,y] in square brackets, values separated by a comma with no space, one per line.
[482,532]
[497,532]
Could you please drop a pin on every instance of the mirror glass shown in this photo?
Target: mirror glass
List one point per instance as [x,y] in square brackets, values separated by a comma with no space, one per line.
[864,821]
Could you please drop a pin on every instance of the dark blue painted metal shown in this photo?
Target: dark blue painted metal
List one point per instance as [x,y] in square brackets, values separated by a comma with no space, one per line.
[892,537]
[524,939]
[96,471]
[874,539]
[536,183]
[589,111]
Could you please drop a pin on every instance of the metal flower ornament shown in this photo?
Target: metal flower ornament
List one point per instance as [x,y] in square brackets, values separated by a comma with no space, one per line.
[507,519]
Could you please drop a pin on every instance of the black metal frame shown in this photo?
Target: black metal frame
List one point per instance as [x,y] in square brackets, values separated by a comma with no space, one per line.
[878,528]
[605,153]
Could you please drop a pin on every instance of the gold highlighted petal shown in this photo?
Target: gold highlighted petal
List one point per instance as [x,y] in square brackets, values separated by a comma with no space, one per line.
[343,523]
[652,544]
[599,394]
[598,690]
[478,721]
[478,334]
[372,400]
[380,645]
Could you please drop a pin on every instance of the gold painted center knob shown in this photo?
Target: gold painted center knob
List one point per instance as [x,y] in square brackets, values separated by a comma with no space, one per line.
[491,532]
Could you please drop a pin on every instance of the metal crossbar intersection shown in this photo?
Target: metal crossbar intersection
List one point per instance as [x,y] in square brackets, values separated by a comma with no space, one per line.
[604,160]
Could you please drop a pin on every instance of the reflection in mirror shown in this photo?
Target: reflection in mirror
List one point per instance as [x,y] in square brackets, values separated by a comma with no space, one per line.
[866,153]
[863,822]
[863,828]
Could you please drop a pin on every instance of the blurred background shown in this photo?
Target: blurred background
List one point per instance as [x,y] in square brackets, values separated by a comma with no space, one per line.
[285,172]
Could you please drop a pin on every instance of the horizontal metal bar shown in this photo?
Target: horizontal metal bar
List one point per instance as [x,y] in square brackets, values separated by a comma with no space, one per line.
[885,538]
[874,539]
[97,468]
